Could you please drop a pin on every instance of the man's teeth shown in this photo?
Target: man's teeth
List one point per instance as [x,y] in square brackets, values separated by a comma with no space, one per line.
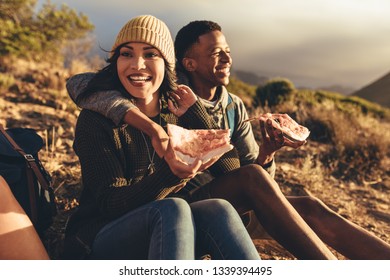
[224,70]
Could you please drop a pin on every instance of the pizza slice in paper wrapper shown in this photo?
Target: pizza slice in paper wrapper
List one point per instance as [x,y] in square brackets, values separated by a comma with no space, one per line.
[290,128]
[204,144]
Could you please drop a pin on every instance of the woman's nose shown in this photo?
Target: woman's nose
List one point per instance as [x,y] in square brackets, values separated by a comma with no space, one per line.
[138,63]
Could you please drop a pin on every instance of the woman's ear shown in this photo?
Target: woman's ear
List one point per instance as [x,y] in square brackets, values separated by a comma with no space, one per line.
[189,64]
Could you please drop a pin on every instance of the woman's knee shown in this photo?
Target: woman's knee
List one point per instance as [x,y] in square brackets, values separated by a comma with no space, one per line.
[219,208]
[222,207]
[173,207]
[170,215]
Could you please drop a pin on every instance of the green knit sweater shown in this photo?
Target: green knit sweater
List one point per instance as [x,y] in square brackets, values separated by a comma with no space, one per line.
[115,178]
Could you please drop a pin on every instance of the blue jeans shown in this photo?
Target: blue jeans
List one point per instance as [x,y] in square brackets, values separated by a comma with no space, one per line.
[220,231]
[167,229]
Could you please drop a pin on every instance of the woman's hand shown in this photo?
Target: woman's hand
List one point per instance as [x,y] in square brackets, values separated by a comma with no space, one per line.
[180,168]
[184,170]
[184,98]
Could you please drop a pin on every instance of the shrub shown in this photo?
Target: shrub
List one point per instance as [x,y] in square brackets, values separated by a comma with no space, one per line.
[245,91]
[38,37]
[359,143]
[274,92]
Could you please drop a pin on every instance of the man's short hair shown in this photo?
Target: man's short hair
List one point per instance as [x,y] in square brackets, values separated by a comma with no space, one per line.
[189,35]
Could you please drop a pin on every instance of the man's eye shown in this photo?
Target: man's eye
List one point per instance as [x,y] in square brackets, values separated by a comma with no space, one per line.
[220,53]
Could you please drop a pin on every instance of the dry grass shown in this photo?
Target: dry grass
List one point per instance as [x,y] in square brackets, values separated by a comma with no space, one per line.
[345,163]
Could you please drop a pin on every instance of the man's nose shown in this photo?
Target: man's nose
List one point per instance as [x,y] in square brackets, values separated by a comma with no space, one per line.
[225,56]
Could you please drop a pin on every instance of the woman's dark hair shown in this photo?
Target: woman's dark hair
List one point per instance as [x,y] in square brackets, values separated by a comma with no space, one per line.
[107,79]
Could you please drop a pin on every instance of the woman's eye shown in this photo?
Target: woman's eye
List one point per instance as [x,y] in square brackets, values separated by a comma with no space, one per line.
[151,55]
[125,54]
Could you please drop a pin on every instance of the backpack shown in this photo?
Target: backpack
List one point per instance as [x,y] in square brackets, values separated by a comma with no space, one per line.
[231,114]
[29,181]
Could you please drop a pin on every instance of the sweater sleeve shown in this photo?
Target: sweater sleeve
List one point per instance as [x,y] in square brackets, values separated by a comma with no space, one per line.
[102,162]
[244,138]
[197,117]
[110,104]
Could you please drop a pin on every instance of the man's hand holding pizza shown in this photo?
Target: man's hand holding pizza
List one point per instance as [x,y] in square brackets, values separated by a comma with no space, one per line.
[277,131]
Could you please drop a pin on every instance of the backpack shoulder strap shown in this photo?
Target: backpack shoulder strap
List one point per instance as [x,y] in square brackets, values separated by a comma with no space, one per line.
[231,114]
[30,160]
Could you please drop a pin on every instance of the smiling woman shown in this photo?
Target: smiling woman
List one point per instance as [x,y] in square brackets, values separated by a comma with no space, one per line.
[141,72]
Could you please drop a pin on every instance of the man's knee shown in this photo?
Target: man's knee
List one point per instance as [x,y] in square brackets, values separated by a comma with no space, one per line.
[252,171]
[310,206]
[254,180]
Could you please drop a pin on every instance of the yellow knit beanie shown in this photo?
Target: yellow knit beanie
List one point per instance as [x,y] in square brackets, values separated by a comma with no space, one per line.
[150,30]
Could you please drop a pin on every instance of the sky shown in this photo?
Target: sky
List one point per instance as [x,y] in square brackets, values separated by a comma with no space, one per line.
[314,43]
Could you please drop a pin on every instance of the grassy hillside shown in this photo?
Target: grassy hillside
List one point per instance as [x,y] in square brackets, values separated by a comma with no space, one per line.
[345,162]
[356,130]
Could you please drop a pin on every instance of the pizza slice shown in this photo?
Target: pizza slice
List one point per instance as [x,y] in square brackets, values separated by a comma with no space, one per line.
[204,144]
[290,128]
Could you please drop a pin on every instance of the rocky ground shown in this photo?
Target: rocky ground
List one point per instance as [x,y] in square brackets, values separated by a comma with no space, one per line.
[53,116]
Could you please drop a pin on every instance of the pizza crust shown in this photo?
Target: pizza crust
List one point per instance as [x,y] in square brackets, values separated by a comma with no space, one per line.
[290,128]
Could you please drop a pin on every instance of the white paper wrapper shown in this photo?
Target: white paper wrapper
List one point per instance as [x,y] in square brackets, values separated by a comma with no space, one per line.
[206,157]
[197,143]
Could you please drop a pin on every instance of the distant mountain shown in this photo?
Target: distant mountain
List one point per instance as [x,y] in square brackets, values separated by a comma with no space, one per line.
[340,89]
[249,77]
[378,91]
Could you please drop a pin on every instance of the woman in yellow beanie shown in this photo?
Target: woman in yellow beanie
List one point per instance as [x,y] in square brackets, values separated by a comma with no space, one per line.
[124,211]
